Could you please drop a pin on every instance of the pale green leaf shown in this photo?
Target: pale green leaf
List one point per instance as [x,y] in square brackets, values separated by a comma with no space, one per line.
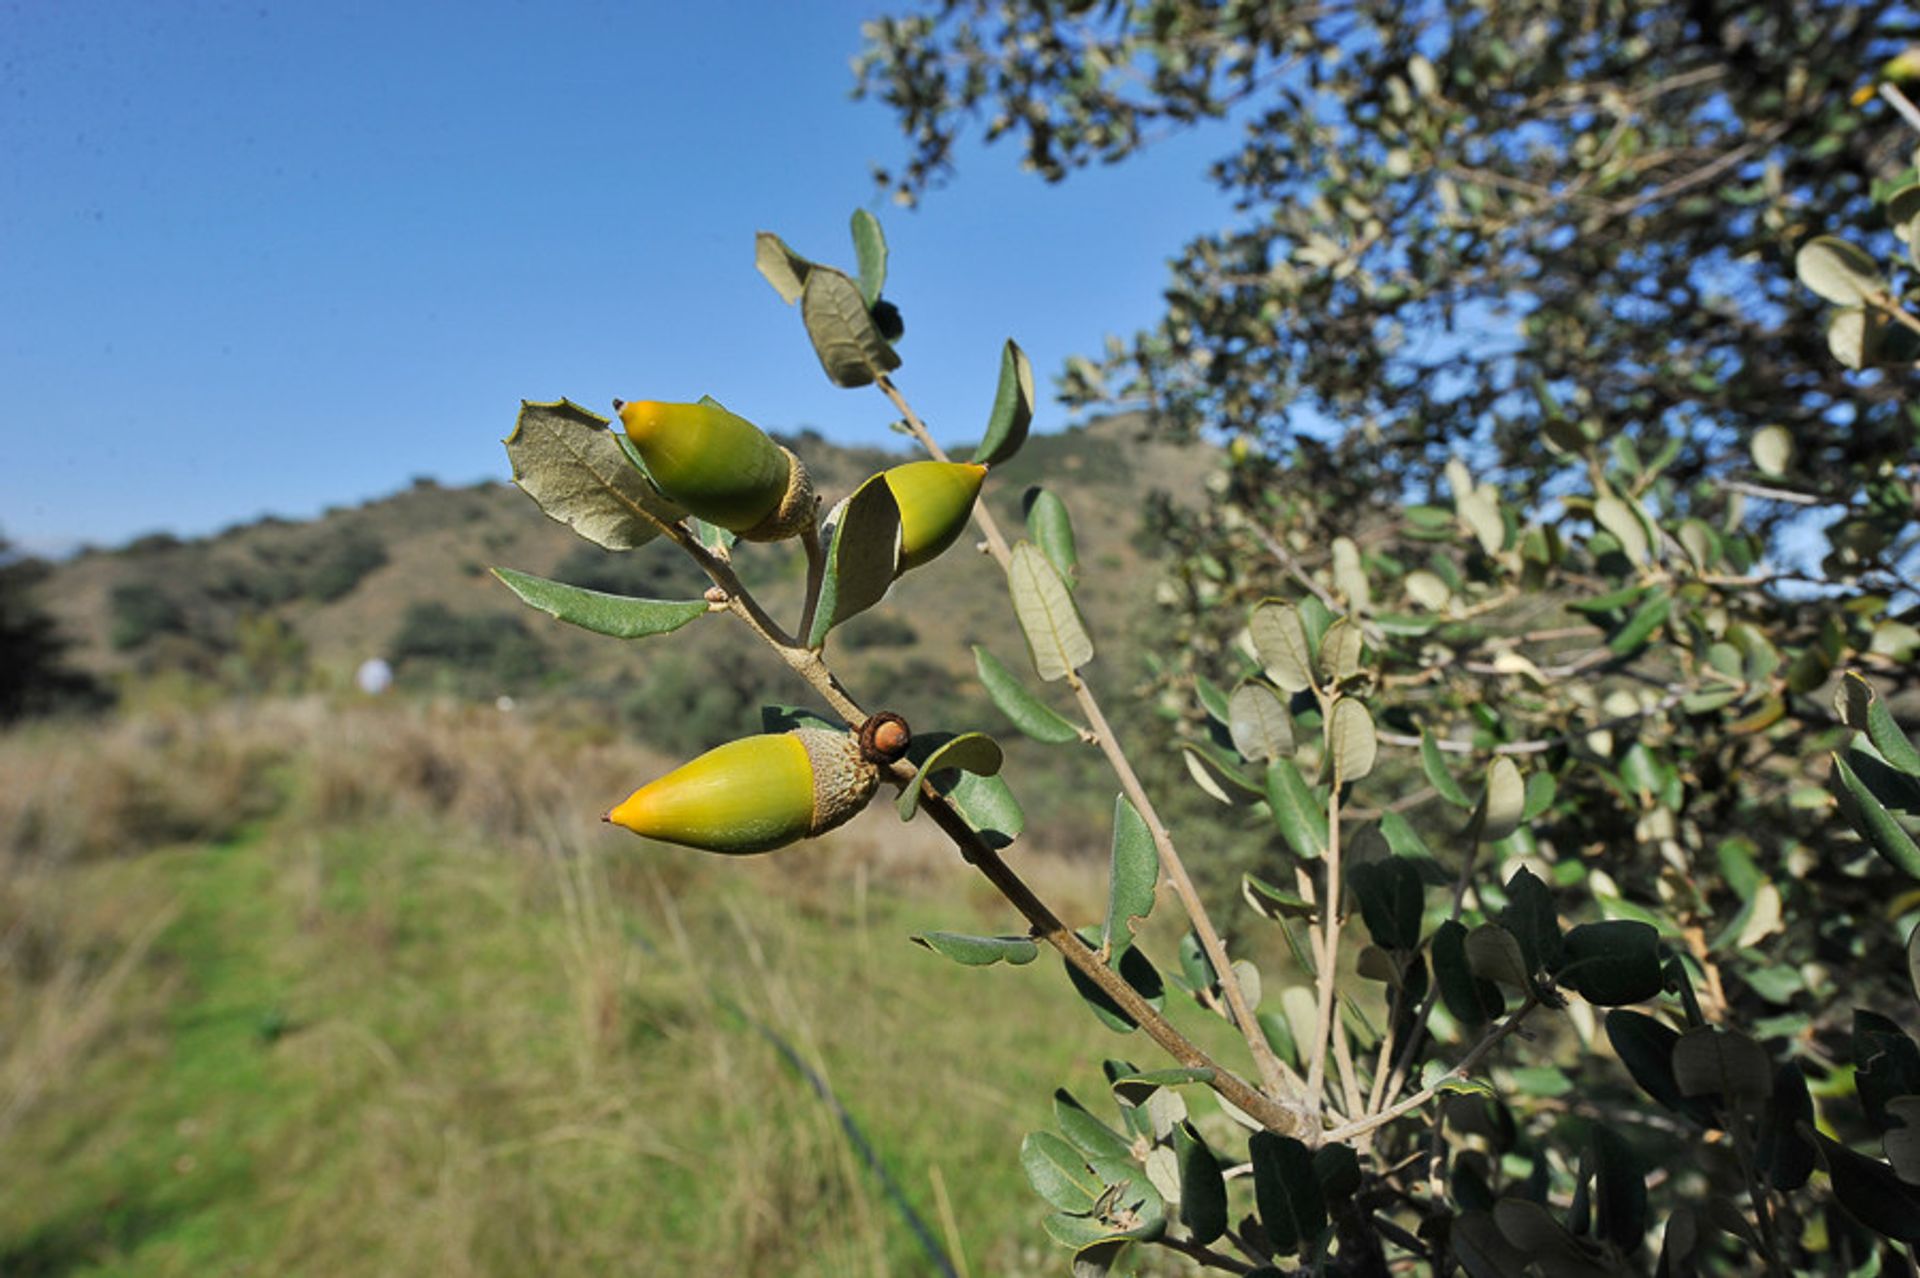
[971,752]
[980,951]
[616,615]
[1012,408]
[1056,637]
[1772,449]
[852,352]
[1350,575]
[1351,741]
[1259,723]
[870,251]
[862,558]
[1838,271]
[1135,873]
[1027,712]
[566,459]
[1620,518]
[1052,530]
[783,268]
[1280,640]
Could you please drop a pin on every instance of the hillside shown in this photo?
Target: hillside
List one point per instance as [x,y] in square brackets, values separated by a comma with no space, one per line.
[278,603]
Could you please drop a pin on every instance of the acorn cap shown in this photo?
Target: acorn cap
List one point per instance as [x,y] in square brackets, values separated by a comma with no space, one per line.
[713,463]
[755,794]
[935,500]
[798,507]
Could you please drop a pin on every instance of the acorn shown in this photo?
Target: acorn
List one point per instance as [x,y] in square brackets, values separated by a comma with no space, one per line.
[721,467]
[935,500]
[764,792]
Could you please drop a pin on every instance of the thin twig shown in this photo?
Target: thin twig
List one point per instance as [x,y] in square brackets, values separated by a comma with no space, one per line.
[1274,1075]
[1329,952]
[1492,1040]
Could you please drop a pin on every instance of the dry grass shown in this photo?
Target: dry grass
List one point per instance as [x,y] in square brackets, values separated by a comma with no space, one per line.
[363,988]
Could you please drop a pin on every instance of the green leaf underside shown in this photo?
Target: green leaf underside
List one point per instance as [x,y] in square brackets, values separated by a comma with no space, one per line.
[980,951]
[1012,414]
[1059,1174]
[970,752]
[1862,709]
[1867,815]
[862,560]
[1135,1089]
[616,615]
[1135,874]
[783,268]
[870,251]
[1027,712]
[1056,638]
[851,350]
[1433,763]
[1052,530]
[1280,640]
[566,459]
[1298,812]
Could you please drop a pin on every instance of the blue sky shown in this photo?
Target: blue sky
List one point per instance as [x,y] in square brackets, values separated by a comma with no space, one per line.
[266,257]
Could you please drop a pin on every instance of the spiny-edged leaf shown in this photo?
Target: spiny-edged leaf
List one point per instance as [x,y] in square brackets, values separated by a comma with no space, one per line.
[980,951]
[1620,1190]
[1275,903]
[1136,970]
[1280,640]
[1863,710]
[870,251]
[1620,518]
[1136,1089]
[1433,762]
[1056,637]
[1052,530]
[1059,1174]
[852,352]
[1299,813]
[1837,271]
[1504,801]
[1109,1153]
[1351,741]
[1027,712]
[973,752]
[1203,1189]
[1466,995]
[1870,818]
[1784,1151]
[783,268]
[1292,1208]
[1012,408]
[1708,1061]
[1259,723]
[1611,963]
[1135,874]
[863,559]
[1871,1193]
[566,459]
[1391,898]
[616,615]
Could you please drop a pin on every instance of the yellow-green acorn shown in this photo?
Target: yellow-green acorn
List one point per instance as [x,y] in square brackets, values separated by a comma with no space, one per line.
[764,792]
[935,500]
[721,467]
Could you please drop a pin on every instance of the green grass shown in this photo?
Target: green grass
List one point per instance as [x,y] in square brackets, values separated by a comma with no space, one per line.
[378,1048]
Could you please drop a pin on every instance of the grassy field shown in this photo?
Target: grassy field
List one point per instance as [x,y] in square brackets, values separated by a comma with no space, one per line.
[307,987]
